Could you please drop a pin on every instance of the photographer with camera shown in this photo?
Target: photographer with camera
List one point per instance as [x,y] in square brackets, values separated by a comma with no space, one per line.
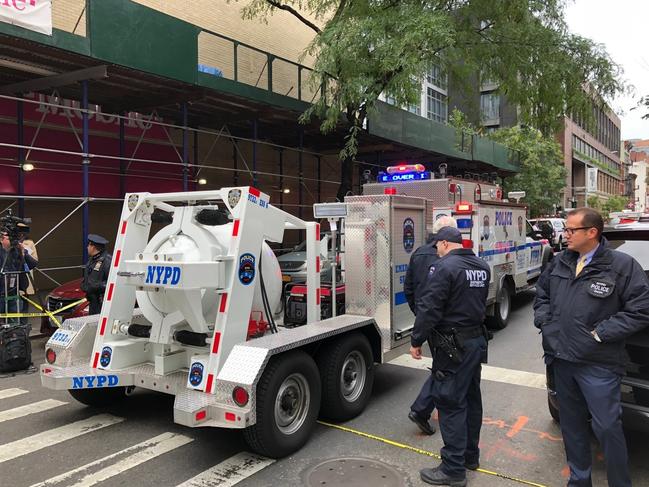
[15,264]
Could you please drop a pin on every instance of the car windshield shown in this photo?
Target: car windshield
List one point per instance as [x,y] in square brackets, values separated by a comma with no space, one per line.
[558,225]
[635,247]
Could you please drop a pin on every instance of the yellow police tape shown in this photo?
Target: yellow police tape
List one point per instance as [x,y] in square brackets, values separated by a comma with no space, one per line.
[425,452]
[44,312]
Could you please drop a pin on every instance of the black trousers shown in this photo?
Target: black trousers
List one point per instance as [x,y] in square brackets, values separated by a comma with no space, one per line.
[94,301]
[584,389]
[459,403]
[424,403]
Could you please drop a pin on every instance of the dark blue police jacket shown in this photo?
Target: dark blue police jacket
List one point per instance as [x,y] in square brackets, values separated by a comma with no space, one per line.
[454,295]
[610,296]
[417,273]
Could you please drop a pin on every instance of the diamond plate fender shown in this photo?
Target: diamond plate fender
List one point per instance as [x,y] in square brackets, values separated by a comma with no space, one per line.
[246,362]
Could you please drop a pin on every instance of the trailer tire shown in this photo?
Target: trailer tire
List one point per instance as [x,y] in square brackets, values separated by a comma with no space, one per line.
[502,308]
[99,398]
[287,405]
[347,374]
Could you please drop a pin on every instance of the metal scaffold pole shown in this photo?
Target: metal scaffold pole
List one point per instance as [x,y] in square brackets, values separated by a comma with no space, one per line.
[86,168]
[185,150]
[122,155]
[20,115]
[255,130]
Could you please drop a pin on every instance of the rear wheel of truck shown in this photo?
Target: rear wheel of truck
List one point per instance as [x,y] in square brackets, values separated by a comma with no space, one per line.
[347,373]
[502,308]
[99,398]
[288,401]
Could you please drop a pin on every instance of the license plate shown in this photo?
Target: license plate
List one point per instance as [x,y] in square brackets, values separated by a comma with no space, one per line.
[286,278]
[62,338]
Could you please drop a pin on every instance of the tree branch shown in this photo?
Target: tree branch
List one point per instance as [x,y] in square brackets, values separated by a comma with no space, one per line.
[295,13]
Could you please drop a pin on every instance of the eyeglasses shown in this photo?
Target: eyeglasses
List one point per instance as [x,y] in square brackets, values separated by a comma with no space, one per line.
[571,231]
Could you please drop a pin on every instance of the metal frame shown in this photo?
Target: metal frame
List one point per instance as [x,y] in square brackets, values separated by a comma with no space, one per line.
[86,156]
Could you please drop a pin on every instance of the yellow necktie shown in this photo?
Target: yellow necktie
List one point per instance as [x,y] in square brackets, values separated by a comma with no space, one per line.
[581,263]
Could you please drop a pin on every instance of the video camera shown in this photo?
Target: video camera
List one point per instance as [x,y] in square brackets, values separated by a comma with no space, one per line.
[15,227]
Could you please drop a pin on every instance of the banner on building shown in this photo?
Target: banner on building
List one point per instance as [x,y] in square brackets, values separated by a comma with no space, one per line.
[34,15]
[591,179]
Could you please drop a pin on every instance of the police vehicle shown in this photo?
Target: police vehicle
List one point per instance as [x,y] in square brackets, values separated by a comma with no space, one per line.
[496,229]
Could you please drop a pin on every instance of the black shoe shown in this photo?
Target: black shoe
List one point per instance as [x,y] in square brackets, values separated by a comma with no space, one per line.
[424,425]
[472,465]
[435,476]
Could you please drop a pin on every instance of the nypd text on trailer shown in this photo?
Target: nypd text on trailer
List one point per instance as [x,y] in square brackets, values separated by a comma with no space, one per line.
[94,381]
[159,274]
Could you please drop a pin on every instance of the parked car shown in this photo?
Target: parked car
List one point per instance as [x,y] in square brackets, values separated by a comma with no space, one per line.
[552,229]
[632,239]
[293,264]
[61,297]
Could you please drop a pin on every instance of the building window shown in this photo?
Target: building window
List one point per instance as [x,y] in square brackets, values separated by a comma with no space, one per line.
[437,77]
[415,109]
[390,100]
[437,105]
[490,106]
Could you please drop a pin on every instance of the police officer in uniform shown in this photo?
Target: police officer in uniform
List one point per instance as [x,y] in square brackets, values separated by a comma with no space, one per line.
[420,262]
[589,300]
[451,310]
[96,272]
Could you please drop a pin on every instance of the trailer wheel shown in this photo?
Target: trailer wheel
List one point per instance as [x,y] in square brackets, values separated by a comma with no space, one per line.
[502,308]
[99,398]
[347,374]
[288,400]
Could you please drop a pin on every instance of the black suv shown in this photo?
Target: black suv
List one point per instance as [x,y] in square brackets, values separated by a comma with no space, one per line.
[632,239]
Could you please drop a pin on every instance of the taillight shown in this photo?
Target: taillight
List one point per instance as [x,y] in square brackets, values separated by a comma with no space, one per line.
[240,396]
[467,244]
[50,356]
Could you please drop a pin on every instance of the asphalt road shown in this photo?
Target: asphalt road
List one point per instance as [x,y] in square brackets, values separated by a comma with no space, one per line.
[48,438]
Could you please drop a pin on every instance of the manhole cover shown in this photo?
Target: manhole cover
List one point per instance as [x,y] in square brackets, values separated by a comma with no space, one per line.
[354,472]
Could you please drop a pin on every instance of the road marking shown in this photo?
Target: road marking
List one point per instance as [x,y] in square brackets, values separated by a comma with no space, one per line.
[427,453]
[7,393]
[21,447]
[229,472]
[518,426]
[33,408]
[494,374]
[132,457]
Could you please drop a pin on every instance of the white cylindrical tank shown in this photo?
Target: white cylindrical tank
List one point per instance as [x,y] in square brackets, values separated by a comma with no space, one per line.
[203,243]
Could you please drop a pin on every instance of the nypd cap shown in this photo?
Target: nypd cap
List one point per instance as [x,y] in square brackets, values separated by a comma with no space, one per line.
[97,239]
[449,234]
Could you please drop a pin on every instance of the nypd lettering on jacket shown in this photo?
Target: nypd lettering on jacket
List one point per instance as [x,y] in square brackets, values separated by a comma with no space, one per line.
[94,381]
[160,274]
[476,278]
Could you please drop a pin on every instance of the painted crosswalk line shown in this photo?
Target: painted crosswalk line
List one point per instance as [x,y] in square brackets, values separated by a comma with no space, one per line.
[24,446]
[27,409]
[88,475]
[229,472]
[494,374]
[7,393]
